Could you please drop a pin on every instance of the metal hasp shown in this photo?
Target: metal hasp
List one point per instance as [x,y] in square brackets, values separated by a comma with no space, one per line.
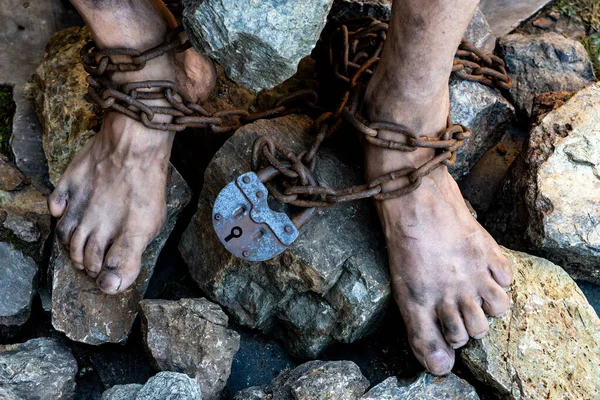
[246,225]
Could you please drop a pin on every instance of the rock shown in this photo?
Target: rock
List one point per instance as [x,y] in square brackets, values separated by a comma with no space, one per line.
[38,369]
[543,103]
[426,386]
[347,9]
[17,285]
[163,386]
[191,336]
[543,23]
[505,15]
[24,216]
[478,32]
[485,112]
[58,87]
[259,44]
[81,310]
[314,380]
[26,28]
[544,63]
[122,392]
[330,285]
[547,346]
[550,201]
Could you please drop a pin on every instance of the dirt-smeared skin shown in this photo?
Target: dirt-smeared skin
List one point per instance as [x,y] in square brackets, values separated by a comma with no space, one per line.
[111,200]
[446,270]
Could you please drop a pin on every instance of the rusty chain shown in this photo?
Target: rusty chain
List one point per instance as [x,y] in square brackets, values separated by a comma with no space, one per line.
[352,52]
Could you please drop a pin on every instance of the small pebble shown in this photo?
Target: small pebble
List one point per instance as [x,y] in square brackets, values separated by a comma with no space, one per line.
[543,23]
[554,15]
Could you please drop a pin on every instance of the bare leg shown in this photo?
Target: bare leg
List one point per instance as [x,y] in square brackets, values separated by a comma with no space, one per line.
[446,269]
[111,198]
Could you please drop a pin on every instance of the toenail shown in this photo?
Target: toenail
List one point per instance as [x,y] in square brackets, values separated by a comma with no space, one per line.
[480,336]
[78,266]
[109,282]
[458,345]
[438,362]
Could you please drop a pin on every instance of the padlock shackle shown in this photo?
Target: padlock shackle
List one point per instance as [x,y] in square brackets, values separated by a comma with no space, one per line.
[268,173]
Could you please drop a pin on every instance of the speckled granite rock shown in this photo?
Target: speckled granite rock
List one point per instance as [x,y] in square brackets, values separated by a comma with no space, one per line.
[76,299]
[191,336]
[314,380]
[17,285]
[24,216]
[163,386]
[544,63]
[485,112]
[39,369]
[330,285]
[58,87]
[259,44]
[550,201]
[547,346]
[426,386]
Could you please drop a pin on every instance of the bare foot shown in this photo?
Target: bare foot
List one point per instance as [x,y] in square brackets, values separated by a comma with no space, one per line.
[446,270]
[111,200]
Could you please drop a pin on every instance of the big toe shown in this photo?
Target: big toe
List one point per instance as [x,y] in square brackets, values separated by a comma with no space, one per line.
[427,342]
[121,266]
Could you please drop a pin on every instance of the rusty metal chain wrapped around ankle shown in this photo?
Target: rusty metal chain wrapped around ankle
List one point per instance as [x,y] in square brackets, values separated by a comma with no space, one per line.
[353,52]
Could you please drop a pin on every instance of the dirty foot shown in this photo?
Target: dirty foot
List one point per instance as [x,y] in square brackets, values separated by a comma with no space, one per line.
[111,200]
[447,271]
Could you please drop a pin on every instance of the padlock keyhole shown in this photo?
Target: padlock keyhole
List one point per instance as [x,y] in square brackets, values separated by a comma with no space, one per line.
[236,232]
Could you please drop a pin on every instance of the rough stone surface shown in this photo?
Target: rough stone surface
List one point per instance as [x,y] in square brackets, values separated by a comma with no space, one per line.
[544,63]
[426,386]
[191,336]
[485,112]
[258,43]
[163,386]
[81,310]
[17,285]
[550,201]
[314,380]
[58,87]
[505,15]
[478,32]
[26,28]
[547,346]
[24,216]
[330,285]
[38,369]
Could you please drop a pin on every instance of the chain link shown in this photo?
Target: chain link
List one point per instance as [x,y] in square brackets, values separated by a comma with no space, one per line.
[353,51]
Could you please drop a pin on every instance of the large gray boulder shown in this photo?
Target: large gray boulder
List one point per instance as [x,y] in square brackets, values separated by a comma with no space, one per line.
[550,201]
[547,345]
[40,369]
[191,336]
[17,285]
[81,310]
[258,43]
[331,285]
[426,386]
[314,380]
[544,63]
[163,386]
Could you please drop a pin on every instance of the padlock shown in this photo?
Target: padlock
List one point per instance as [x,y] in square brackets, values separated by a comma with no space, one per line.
[246,225]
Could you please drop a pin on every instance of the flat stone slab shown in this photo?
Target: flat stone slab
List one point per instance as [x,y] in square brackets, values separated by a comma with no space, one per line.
[505,15]
[426,386]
